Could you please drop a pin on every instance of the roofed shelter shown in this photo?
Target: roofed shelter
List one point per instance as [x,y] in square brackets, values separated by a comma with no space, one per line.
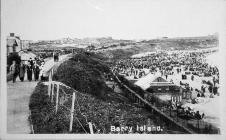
[155,83]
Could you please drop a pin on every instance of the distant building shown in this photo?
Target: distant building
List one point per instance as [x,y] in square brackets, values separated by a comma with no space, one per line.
[15,44]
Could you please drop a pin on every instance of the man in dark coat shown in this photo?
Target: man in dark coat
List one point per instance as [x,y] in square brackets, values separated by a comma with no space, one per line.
[29,72]
[36,72]
[31,62]
[22,71]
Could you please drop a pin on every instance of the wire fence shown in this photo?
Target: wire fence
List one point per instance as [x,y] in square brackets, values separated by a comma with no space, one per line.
[63,96]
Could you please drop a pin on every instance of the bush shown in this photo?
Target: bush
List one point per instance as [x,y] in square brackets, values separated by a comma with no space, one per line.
[83,73]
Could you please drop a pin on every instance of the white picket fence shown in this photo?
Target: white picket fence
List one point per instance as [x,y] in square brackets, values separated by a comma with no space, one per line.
[59,98]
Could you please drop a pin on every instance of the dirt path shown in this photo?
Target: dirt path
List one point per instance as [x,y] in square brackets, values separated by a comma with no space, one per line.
[18,96]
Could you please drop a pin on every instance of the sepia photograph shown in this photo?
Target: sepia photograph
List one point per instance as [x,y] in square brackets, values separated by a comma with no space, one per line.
[144,68]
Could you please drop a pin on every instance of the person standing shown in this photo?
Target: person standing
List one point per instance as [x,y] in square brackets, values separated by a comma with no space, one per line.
[31,62]
[36,72]
[214,81]
[57,57]
[14,71]
[192,77]
[22,71]
[29,72]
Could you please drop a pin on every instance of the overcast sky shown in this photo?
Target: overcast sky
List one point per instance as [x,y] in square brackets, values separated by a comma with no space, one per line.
[125,19]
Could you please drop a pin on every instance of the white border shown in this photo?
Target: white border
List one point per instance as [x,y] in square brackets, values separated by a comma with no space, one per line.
[3,104]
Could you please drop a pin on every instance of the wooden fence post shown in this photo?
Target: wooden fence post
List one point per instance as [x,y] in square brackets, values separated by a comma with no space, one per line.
[50,75]
[57,96]
[72,112]
[91,128]
[52,92]
[49,88]
[50,80]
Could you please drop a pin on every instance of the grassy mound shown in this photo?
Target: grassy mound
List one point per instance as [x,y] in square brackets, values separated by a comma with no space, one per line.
[85,73]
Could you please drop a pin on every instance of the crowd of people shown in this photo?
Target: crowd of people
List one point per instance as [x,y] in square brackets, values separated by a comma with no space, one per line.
[166,63]
[186,64]
[30,67]
[170,64]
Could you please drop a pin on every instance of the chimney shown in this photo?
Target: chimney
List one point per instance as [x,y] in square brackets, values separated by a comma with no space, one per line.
[12,34]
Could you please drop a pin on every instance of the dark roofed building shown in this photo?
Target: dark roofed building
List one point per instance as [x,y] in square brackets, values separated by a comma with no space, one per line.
[156,84]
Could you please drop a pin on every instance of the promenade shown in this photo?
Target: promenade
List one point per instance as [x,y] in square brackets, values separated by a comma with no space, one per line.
[18,96]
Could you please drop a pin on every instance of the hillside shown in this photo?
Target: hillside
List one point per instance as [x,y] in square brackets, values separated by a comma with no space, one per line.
[118,48]
[168,44]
